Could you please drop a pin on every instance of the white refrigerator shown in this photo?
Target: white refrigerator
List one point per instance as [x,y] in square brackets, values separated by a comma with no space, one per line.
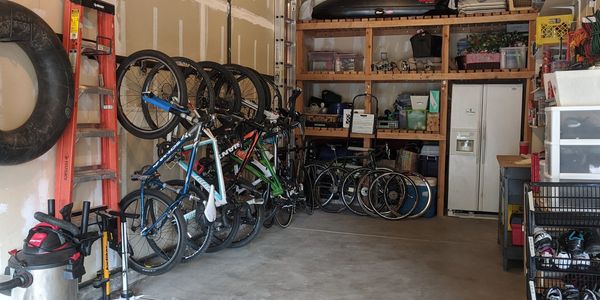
[485,121]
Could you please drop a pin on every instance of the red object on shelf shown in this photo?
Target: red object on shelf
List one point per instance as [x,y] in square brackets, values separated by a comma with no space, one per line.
[524,148]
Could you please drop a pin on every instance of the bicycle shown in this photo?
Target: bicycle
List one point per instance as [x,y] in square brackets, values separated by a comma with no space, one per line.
[159,216]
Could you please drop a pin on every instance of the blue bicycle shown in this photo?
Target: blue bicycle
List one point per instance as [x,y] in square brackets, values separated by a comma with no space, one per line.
[164,229]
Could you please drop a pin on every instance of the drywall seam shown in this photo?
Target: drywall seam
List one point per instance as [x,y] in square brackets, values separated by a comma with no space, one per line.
[239,49]
[255,48]
[238,12]
[203,26]
[180,37]
[155,28]
[121,24]
[222,60]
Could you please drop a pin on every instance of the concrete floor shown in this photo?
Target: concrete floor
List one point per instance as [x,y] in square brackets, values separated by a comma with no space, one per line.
[329,256]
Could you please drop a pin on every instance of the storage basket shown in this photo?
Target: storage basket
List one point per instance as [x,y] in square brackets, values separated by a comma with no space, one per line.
[568,204]
[426,45]
[550,29]
[323,120]
[321,61]
[479,61]
[542,281]
[558,264]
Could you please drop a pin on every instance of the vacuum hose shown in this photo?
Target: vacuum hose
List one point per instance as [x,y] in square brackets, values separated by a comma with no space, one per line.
[21,279]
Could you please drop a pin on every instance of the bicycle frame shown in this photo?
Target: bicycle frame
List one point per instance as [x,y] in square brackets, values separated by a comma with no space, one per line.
[148,175]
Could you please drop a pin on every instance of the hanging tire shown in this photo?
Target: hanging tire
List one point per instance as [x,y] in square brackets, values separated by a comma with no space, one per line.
[54,105]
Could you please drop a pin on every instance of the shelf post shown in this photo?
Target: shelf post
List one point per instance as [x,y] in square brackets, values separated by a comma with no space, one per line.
[441,181]
[368,50]
[445,48]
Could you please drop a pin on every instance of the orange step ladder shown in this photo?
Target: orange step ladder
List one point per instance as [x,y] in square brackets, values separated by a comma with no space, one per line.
[103,50]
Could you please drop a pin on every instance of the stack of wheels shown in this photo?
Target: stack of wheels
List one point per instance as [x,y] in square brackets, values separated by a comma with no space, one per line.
[364,191]
[219,95]
[54,105]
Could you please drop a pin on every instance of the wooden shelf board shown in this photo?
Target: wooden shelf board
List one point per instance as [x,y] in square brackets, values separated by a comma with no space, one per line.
[417,76]
[391,134]
[504,17]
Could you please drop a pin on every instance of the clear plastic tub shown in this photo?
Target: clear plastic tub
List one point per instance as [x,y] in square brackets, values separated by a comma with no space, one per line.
[513,58]
[417,120]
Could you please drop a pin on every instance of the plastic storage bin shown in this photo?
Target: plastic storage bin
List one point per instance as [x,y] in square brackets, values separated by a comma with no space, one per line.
[518,236]
[410,198]
[549,29]
[419,102]
[513,57]
[427,165]
[346,62]
[321,61]
[573,88]
[417,119]
[572,143]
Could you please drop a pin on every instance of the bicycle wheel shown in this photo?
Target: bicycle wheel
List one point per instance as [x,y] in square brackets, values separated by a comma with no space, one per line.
[198,84]
[349,190]
[311,171]
[226,227]
[285,214]
[392,195]
[253,92]
[252,217]
[148,71]
[199,229]
[224,85]
[328,189]
[276,98]
[363,191]
[161,249]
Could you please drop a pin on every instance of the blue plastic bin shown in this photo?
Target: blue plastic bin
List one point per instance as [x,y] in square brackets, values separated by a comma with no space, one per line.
[422,189]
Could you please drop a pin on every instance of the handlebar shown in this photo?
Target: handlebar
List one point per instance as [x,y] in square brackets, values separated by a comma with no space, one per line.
[69,227]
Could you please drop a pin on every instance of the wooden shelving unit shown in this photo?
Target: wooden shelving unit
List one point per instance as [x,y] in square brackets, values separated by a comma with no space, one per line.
[442,25]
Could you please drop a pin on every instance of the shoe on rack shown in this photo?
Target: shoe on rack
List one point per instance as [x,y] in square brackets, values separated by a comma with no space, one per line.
[591,242]
[570,292]
[553,293]
[572,241]
[542,240]
[589,295]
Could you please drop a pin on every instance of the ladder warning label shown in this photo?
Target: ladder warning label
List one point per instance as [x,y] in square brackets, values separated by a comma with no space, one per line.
[74,23]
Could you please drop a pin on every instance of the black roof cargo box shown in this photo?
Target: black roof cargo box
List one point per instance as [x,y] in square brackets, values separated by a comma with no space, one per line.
[342,9]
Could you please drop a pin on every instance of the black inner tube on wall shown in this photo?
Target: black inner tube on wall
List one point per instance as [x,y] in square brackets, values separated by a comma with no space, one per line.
[54,105]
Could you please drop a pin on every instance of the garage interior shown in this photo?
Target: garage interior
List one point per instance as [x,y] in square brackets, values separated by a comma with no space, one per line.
[328,149]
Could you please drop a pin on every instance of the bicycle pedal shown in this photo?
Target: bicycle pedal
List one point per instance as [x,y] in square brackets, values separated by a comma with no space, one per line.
[98,283]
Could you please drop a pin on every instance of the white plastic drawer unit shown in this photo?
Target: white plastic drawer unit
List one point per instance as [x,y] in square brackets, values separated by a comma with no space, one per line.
[573,142]
[573,123]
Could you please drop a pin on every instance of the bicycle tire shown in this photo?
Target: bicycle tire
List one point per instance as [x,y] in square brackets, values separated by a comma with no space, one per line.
[137,64]
[333,203]
[252,217]
[171,254]
[224,84]
[284,215]
[363,192]
[199,230]
[390,214]
[312,170]
[253,92]
[192,71]
[349,195]
[276,96]
[226,227]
